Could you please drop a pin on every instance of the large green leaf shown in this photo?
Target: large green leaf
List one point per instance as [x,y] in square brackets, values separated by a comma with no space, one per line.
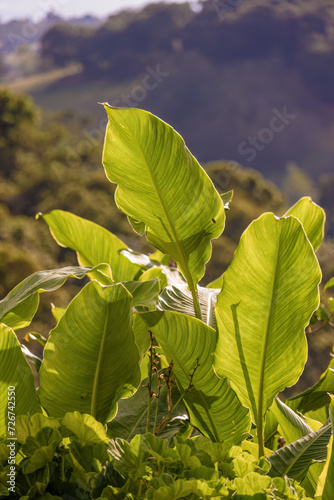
[15,372]
[132,413]
[91,359]
[294,459]
[178,298]
[212,406]
[163,187]
[19,307]
[269,293]
[93,245]
[312,217]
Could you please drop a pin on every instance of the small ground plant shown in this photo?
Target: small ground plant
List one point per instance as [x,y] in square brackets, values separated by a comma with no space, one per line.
[151,386]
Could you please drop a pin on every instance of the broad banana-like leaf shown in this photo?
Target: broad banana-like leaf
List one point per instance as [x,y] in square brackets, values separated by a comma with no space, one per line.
[313,220]
[325,486]
[290,425]
[178,298]
[132,412]
[294,459]
[316,396]
[163,187]
[312,217]
[212,405]
[93,245]
[19,307]
[17,386]
[91,359]
[269,294]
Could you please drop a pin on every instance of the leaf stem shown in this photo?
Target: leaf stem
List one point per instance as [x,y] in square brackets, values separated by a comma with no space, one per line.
[140,487]
[260,436]
[96,384]
[149,383]
[192,288]
[156,414]
[148,414]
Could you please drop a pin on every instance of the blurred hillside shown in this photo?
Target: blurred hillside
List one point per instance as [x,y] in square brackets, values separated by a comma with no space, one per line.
[252,83]
[249,83]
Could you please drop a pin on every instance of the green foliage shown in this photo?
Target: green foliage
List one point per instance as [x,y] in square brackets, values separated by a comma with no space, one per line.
[156,191]
[212,406]
[211,381]
[99,371]
[65,456]
[15,373]
[266,288]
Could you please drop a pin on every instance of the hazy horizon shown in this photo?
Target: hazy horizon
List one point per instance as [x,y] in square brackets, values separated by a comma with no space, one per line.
[37,9]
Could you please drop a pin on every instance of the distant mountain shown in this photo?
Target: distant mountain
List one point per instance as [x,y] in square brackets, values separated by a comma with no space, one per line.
[21,32]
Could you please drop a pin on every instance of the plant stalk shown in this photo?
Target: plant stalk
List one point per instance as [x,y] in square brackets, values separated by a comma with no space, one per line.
[192,288]
[156,414]
[260,435]
[148,414]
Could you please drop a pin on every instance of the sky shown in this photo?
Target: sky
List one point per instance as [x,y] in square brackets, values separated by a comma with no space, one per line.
[36,9]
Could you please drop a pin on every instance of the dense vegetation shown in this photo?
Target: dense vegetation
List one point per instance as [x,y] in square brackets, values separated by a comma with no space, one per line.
[38,172]
[150,386]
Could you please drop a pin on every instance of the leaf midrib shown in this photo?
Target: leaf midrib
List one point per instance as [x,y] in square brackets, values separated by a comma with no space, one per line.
[182,259]
[265,343]
[99,366]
